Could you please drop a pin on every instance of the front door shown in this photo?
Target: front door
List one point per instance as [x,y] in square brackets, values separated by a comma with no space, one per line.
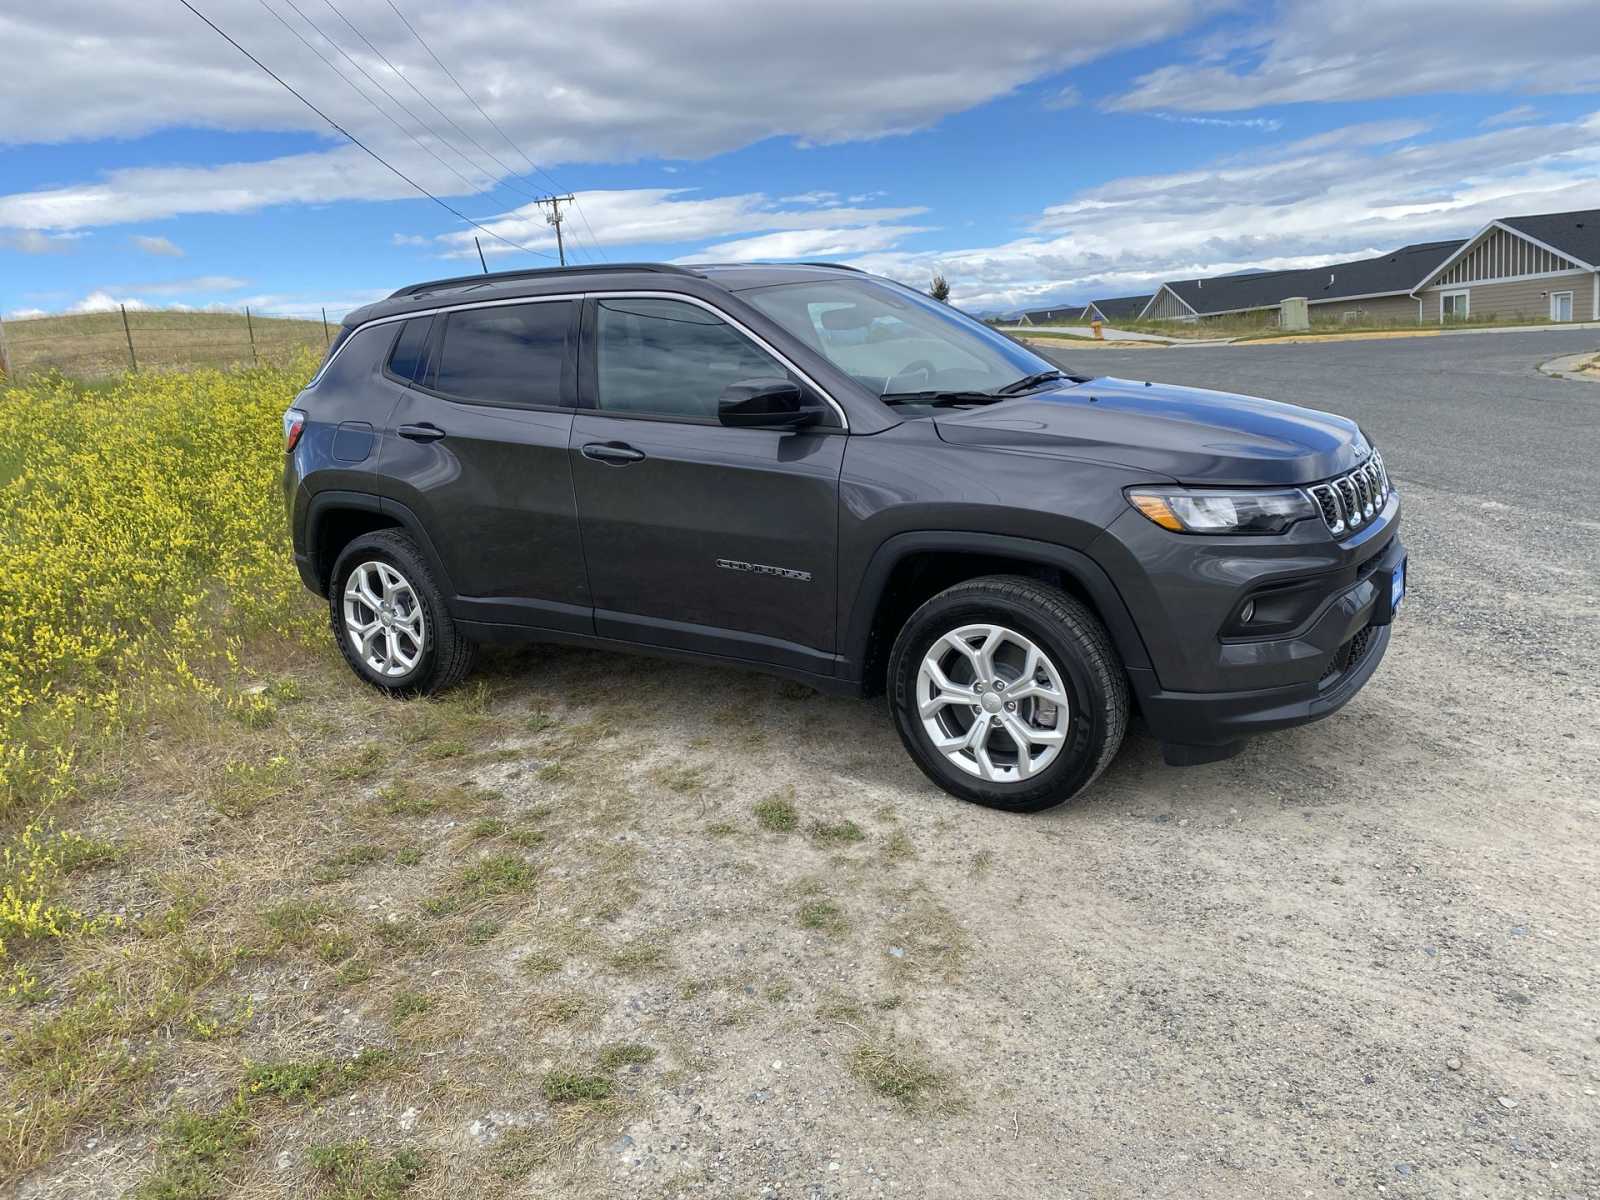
[1561,306]
[697,536]
[478,449]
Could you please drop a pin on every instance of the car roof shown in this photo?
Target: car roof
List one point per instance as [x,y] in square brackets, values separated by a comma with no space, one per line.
[694,279]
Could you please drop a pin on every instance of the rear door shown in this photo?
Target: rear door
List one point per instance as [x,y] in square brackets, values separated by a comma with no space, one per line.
[697,536]
[478,448]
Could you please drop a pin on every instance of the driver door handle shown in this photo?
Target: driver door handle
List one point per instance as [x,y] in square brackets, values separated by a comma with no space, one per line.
[615,454]
[420,433]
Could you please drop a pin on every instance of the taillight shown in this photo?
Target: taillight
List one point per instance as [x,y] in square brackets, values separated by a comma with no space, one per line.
[294,424]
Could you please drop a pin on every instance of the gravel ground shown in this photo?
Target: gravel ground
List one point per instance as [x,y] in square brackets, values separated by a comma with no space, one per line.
[1360,959]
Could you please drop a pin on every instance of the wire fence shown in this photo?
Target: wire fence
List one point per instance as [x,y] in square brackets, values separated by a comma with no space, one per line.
[103,344]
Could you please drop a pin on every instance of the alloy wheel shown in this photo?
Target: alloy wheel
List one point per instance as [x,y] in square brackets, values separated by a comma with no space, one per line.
[992,702]
[383,618]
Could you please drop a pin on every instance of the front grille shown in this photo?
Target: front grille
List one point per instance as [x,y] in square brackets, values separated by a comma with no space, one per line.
[1347,657]
[1354,498]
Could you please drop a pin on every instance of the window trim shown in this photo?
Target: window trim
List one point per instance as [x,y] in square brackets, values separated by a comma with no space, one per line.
[568,386]
[723,314]
[1465,293]
[590,372]
[1572,305]
[394,345]
[589,355]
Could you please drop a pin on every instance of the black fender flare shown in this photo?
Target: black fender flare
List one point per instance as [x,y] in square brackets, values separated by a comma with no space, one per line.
[1075,564]
[333,500]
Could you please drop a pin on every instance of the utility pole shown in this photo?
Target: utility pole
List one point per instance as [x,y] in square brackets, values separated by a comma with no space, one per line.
[555,217]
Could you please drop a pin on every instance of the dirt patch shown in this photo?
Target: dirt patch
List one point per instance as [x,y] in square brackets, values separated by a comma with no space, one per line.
[606,926]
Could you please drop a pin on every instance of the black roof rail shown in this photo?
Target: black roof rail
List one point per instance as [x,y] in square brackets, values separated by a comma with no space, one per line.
[836,266]
[465,281]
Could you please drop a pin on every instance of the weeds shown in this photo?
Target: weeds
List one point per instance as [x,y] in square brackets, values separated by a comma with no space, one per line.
[777,813]
[898,1073]
[314,1080]
[570,1087]
[197,1152]
[352,1171]
[837,833]
[824,916]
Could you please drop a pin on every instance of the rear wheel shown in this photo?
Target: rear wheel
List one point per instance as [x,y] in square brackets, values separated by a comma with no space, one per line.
[389,617]
[1007,692]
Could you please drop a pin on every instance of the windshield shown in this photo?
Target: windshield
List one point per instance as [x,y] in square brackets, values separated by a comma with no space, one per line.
[894,341]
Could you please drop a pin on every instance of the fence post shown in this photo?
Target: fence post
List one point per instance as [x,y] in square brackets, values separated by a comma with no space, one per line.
[250,326]
[5,363]
[133,360]
[327,338]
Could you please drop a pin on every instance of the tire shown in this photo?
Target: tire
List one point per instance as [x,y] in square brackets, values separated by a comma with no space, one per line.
[427,653]
[1075,660]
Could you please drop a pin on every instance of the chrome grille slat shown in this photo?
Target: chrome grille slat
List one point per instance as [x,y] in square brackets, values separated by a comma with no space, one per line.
[1351,500]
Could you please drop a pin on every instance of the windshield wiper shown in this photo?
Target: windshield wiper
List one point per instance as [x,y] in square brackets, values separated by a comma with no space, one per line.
[1029,382]
[938,399]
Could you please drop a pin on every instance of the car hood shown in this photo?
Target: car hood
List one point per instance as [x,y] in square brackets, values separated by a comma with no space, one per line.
[1189,434]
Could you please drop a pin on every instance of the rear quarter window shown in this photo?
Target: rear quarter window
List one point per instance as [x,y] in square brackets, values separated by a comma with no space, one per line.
[357,356]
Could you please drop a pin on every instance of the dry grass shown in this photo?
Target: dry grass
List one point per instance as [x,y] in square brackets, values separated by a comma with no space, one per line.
[94,346]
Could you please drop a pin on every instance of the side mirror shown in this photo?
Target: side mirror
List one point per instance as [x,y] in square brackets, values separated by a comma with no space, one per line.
[764,404]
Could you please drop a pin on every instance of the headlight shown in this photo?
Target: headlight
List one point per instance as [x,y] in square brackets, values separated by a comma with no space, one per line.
[1206,510]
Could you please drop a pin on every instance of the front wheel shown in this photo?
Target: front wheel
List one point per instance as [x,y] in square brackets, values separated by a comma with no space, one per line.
[389,617]
[1008,692]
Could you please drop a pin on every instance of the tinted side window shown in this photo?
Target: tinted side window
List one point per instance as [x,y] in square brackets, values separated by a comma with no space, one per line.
[408,360]
[670,359]
[509,354]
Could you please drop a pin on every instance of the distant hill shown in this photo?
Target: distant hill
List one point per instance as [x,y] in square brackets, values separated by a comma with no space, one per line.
[94,345]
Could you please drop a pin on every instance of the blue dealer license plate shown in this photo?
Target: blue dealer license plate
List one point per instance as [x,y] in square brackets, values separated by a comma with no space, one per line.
[1397,588]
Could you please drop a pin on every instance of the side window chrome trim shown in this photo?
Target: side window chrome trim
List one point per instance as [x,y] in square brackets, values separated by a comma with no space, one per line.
[768,347]
[433,312]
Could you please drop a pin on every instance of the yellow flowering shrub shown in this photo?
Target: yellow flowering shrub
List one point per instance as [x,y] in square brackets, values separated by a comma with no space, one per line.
[142,536]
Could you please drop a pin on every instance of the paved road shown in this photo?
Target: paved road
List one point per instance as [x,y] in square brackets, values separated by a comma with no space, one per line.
[1469,415]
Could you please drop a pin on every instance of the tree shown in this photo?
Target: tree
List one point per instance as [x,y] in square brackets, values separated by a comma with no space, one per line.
[940,289]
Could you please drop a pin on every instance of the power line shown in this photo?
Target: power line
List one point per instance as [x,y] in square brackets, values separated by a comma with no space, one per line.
[367,75]
[449,208]
[495,125]
[404,78]
[378,108]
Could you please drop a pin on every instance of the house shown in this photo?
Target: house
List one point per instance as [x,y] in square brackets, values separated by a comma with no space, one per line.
[1074,314]
[1118,308]
[1543,267]
[1369,289]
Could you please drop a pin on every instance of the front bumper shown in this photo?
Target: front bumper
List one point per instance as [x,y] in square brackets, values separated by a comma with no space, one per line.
[1328,663]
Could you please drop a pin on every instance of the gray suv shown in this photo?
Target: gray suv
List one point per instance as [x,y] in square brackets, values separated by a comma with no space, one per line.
[822,474]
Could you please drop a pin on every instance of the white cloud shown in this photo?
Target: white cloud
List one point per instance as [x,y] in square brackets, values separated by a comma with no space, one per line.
[1368,133]
[159,246]
[814,198]
[668,216]
[602,82]
[1063,98]
[103,301]
[1382,48]
[1344,197]
[409,239]
[1512,116]
[36,241]
[1266,124]
[23,314]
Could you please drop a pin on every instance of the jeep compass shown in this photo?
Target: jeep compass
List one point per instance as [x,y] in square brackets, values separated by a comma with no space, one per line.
[811,471]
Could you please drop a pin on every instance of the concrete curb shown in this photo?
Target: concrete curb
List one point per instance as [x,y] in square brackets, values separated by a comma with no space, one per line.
[1566,367]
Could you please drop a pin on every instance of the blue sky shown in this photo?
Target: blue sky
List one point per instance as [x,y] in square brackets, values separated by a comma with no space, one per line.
[1032,153]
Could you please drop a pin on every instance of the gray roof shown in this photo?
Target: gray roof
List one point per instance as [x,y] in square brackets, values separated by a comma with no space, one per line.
[1070,314]
[1576,234]
[1123,308]
[1395,273]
